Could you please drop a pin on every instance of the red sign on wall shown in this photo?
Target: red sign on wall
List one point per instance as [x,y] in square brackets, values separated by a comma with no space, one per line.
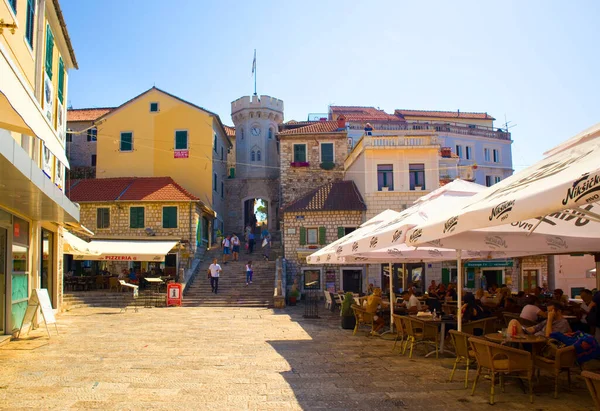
[174,294]
[181,154]
[17,229]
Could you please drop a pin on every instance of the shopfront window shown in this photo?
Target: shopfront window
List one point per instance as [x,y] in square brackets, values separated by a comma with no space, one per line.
[47,263]
[20,271]
[312,279]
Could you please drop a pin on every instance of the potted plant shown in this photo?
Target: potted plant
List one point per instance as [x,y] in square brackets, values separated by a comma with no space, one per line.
[219,238]
[346,312]
[293,296]
[474,166]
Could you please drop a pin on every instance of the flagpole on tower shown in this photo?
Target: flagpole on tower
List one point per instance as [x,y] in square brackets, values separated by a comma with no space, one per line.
[254,71]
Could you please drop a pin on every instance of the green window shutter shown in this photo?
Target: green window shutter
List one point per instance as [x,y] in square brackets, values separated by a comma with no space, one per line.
[126,142]
[136,217]
[341,232]
[445,276]
[49,51]
[327,153]
[322,233]
[299,153]
[232,172]
[181,140]
[30,21]
[170,217]
[61,79]
[470,277]
[302,236]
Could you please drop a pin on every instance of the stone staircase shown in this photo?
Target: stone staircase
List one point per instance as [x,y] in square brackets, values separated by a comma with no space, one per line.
[102,298]
[232,283]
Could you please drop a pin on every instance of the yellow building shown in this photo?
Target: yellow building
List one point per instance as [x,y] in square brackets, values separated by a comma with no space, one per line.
[35,55]
[157,134]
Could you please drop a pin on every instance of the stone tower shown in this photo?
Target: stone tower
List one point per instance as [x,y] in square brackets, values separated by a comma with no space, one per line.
[256,121]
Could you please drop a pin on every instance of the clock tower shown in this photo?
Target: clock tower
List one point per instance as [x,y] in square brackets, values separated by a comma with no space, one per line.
[256,177]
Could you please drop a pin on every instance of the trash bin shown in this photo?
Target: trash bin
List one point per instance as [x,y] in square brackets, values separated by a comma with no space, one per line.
[311,304]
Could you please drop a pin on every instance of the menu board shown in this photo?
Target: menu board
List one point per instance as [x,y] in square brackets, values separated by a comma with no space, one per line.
[330,280]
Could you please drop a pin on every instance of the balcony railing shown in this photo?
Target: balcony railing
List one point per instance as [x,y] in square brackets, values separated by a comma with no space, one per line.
[455,128]
[399,141]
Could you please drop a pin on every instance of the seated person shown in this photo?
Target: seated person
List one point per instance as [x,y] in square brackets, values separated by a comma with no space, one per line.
[451,293]
[132,276]
[441,291]
[432,290]
[560,296]
[471,309]
[370,289]
[583,311]
[531,311]
[555,322]
[411,302]
[493,289]
[373,303]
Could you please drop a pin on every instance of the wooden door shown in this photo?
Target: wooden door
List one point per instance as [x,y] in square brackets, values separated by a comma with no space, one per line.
[530,280]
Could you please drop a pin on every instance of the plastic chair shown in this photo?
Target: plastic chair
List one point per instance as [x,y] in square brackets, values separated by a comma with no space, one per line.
[328,301]
[592,381]
[463,352]
[501,360]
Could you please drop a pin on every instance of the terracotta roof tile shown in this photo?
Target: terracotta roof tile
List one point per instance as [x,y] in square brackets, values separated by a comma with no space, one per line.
[128,189]
[316,127]
[362,114]
[87,114]
[444,114]
[230,131]
[335,196]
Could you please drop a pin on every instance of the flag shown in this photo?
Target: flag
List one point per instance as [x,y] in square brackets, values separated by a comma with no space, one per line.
[254,62]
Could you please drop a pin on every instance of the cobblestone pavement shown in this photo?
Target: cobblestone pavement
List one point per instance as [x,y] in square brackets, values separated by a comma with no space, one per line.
[229,358]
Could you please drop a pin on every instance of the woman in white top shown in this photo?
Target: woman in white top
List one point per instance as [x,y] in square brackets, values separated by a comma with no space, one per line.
[249,273]
[531,311]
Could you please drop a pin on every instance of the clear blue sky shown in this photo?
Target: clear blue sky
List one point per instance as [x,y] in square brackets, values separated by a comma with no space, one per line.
[535,61]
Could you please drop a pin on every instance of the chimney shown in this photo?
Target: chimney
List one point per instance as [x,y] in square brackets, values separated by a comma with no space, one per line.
[341,122]
[446,152]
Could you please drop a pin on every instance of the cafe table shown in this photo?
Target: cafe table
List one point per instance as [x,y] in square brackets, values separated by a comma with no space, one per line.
[517,339]
[438,321]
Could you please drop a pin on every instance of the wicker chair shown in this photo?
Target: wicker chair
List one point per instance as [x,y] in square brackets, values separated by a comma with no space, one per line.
[114,284]
[592,380]
[563,361]
[463,352]
[363,318]
[421,332]
[450,309]
[400,332]
[486,325]
[501,360]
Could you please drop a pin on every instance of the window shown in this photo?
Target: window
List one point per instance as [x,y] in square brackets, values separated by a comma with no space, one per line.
[459,151]
[312,279]
[252,156]
[385,177]
[488,181]
[92,134]
[486,154]
[93,160]
[136,217]
[496,156]
[258,155]
[13,5]
[103,217]
[242,133]
[69,137]
[215,181]
[497,179]
[299,153]
[49,51]
[312,236]
[215,142]
[154,107]
[126,141]
[327,153]
[61,79]
[222,153]
[181,140]
[270,133]
[222,190]
[169,219]
[417,176]
[468,155]
[30,21]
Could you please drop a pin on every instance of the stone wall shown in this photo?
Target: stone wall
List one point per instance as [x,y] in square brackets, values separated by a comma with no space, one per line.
[296,254]
[395,200]
[238,190]
[298,181]
[119,221]
[79,150]
[535,262]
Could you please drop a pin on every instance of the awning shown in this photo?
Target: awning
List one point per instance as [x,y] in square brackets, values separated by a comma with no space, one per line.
[76,246]
[129,250]
[21,112]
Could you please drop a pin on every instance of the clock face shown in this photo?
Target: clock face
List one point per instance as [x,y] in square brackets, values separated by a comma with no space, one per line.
[255,131]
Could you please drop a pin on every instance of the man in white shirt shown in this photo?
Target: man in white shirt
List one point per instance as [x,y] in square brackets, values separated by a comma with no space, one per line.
[214,270]
[411,302]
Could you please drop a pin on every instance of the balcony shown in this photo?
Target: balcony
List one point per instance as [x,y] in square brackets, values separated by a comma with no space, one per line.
[400,141]
[451,128]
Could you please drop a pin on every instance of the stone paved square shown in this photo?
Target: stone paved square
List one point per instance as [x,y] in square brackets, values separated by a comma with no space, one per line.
[237,358]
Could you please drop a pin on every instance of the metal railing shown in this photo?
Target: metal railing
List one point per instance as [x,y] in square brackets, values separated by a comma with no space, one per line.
[455,128]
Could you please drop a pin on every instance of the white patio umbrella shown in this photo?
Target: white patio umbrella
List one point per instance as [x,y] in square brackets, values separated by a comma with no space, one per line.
[552,206]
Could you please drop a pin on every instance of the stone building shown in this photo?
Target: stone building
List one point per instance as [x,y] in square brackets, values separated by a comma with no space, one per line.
[82,137]
[144,208]
[255,177]
[318,218]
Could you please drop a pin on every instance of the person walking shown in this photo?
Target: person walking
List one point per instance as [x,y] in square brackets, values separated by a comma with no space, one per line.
[226,243]
[235,245]
[266,244]
[214,271]
[250,242]
[249,273]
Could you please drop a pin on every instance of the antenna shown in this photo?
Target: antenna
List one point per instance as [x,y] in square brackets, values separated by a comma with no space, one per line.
[506,125]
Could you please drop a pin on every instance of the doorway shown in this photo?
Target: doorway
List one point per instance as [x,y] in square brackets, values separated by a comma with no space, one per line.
[352,280]
[47,264]
[171,264]
[493,277]
[530,280]
[3,248]
[256,215]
